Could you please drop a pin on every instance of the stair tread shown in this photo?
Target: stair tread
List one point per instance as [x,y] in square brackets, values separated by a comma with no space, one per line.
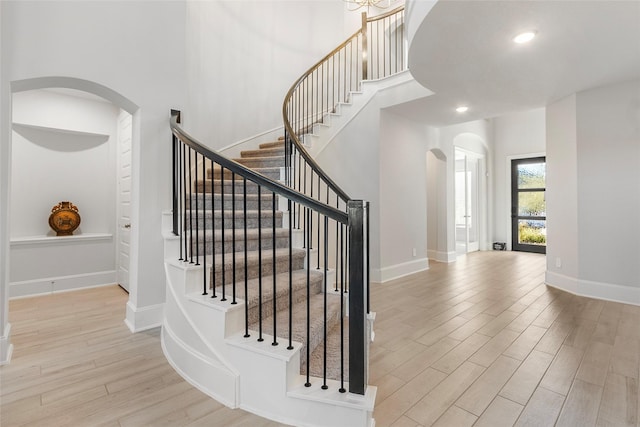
[282,285]
[316,360]
[239,159]
[299,323]
[251,232]
[251,213]
[263,152]
[279,143]
[253,256]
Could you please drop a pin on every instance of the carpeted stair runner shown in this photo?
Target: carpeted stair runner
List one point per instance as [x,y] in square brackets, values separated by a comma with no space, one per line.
[268,161]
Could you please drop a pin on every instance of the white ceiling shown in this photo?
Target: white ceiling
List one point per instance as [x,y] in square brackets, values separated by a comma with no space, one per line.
[463,51]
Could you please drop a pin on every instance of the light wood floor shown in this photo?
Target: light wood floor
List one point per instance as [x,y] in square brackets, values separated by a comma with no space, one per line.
[478,342]
[484,342]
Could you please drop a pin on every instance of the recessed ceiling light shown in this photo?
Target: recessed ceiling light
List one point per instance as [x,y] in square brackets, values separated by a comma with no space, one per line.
[524,37]
[462,109]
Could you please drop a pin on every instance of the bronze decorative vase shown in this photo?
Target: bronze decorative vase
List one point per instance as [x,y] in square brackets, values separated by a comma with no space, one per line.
[64,218]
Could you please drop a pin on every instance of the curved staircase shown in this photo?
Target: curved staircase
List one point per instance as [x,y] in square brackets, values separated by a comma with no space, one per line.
[221,338]
[267,258]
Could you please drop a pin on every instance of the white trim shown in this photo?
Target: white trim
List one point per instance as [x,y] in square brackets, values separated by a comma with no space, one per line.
[397,271]
[57,240]
[142,319]
[591,289]
[53,285]
[441,256]
[6,348]
[251,138]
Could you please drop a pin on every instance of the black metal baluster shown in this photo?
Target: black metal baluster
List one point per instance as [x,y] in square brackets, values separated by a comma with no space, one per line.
[318,263]
[304,236]
[307,230]
[298,188]
[337,242]
[310,241]
[246,273]
[342,389]
[260,264]
[190,211]
[233,238]
[213,231]
[290,347]
[204,226]
[195,196]
[326,225]
[346,262]
[273,258]
[223,266]
[183,202]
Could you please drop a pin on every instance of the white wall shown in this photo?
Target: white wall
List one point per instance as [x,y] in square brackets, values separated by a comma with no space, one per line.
[437,206]
[403,195]
[5,155]
[132,52]
[562,193]
[515,135]
[608,136]
[593,246]
[242,58]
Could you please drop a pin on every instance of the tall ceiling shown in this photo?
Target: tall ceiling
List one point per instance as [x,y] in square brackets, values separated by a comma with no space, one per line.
[463,52]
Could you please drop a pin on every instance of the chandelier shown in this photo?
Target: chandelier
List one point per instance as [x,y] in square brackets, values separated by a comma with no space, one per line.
[358,4]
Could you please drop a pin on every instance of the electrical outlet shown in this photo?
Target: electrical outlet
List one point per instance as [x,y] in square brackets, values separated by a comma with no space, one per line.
[558,263]
[414,252]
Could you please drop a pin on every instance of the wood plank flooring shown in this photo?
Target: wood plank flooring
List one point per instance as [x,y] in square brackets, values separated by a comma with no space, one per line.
[75,363]
[478,342]
[484,342]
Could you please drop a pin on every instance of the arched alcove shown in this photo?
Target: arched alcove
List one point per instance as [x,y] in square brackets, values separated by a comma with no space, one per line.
[67,143]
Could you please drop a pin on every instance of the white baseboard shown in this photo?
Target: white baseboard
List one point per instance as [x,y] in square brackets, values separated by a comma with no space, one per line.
[51,285]
[140,319]
[6,348]
[441,256]
[397,271]
[591,289]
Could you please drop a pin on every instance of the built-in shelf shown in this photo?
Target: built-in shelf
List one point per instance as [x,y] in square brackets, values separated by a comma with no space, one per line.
[56,240]
[18,126]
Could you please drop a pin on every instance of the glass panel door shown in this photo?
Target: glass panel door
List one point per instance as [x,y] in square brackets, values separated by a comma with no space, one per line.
[528,205]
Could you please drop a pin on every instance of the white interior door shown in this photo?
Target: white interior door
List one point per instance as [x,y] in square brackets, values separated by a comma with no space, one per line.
[466,202]
[123,233]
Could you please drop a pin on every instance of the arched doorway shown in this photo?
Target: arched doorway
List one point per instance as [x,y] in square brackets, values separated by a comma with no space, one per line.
[470,193]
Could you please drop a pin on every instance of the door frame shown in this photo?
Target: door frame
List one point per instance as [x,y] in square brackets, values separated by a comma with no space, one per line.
[513,204]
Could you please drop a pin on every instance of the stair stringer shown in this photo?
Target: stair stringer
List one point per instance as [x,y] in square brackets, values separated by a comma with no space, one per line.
[403,87]
[203,339]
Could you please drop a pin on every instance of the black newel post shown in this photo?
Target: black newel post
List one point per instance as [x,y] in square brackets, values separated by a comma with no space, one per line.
[357,300]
